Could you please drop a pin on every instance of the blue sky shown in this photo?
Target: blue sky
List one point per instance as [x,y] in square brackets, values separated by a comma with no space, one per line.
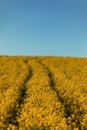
[43,27]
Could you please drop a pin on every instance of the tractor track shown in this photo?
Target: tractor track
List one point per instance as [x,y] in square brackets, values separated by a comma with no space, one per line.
[20,101]
[60,99]
[67,107]
[52,82]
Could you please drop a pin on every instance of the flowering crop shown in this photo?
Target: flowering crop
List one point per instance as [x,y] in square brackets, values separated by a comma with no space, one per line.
[43,93]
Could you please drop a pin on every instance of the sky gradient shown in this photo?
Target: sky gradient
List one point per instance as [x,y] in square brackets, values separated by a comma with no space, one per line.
[43,27]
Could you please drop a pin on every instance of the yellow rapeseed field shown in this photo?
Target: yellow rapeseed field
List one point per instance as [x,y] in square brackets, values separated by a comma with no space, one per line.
[43,93]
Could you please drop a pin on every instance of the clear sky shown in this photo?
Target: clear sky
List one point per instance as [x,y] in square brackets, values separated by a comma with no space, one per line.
[43,27]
